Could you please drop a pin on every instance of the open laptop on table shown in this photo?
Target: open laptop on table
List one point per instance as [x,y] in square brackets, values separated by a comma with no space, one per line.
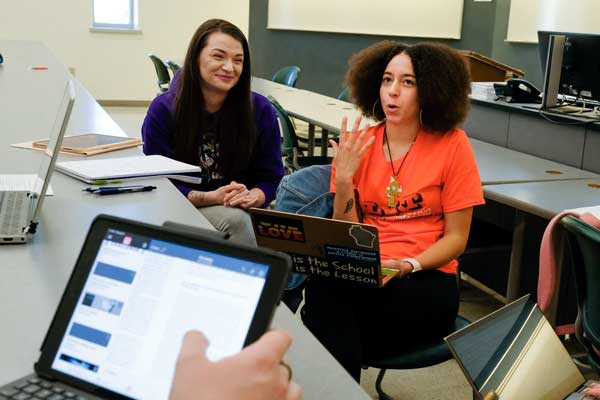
[135,291]
[322,247]
[20,210]
[514,354]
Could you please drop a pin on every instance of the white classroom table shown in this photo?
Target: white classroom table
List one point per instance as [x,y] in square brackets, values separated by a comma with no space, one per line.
[34,275]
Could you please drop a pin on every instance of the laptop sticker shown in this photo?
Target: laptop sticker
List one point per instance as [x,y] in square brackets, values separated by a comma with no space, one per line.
[281,228]
[352,271]
[362,237]
[351,255]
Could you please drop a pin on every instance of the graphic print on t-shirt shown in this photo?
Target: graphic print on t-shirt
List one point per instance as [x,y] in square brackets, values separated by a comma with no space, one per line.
[403,207]
[209,152]
[209,149]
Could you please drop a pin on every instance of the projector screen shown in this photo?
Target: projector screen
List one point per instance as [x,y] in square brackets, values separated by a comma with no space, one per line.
[528,16]
[409,18]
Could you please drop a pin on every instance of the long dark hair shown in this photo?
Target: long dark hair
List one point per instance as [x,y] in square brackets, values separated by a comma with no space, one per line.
[236,133]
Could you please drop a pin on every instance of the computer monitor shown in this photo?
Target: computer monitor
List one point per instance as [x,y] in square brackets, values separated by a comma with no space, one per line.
[553,71]
[580,68]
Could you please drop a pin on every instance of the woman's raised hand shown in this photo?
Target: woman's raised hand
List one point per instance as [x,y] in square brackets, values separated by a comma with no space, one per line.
[352,146]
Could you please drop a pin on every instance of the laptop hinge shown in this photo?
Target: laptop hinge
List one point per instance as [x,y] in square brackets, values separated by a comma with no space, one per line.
[30,230]
[32,227]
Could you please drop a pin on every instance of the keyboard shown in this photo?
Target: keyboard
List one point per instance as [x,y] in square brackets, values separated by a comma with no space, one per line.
[12,210]
[36,388]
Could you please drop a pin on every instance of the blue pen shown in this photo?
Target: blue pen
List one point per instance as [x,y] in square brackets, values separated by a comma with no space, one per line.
[98,188]
[119,190]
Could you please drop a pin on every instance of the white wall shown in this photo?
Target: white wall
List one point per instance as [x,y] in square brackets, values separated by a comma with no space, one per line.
[529,16]
[114,66]
[425,18]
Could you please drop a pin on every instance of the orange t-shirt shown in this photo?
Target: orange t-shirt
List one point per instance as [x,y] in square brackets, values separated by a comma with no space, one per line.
[438,176]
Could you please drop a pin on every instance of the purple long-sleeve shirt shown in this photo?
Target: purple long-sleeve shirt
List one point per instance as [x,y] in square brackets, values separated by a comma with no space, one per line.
[265,169]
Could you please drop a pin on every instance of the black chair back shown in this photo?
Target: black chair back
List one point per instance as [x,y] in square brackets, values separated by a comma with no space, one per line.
[162,73]
[584,248]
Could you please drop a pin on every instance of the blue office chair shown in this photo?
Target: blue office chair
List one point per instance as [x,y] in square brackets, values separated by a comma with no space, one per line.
[173,66]
[294,158]
[343,96]
[162,73]
[419,356]
[583,241]
[287,76]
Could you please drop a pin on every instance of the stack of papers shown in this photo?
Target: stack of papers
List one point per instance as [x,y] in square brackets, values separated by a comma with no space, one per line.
[128,168]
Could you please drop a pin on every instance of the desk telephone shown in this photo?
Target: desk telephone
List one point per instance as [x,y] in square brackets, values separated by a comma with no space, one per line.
[518,91]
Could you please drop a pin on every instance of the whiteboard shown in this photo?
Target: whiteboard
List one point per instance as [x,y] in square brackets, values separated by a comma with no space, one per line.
[409,18]
[528,16]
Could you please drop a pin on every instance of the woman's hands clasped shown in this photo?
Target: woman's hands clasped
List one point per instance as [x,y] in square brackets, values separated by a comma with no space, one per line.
[352,146]
[231,195]
[244,198]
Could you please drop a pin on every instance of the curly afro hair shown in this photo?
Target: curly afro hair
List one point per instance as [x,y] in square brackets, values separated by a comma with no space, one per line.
[443,82]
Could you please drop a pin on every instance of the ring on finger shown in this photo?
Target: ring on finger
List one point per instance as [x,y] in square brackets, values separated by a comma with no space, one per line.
[289,369]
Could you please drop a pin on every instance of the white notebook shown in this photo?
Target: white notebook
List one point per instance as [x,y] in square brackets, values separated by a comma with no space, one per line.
[128,168]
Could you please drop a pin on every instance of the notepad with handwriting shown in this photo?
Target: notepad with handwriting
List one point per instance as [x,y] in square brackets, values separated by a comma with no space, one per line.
[127,168]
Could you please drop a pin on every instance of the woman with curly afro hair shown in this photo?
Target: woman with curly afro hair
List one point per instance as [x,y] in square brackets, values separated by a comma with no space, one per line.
[413,176]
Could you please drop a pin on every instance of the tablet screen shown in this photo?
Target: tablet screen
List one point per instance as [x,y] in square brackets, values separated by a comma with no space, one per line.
[140,298]
[92,139]
[87,140]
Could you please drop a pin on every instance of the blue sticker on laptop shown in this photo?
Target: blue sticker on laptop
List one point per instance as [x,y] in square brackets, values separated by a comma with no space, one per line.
[349,254]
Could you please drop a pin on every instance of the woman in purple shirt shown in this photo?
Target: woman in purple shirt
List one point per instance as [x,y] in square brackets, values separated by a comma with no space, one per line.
[209,117]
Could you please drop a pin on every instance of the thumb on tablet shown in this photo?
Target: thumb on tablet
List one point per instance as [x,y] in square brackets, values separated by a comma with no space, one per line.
[194,345]
[272,346]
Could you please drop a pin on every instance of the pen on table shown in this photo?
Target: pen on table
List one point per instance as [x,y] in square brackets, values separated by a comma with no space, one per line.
[106,182]
[120,189]
[93,189]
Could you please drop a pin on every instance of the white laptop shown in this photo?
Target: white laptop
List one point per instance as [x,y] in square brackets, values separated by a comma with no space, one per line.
[20,209]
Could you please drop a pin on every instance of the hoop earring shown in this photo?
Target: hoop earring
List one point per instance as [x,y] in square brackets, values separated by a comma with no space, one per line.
[421,116]
[373,108]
